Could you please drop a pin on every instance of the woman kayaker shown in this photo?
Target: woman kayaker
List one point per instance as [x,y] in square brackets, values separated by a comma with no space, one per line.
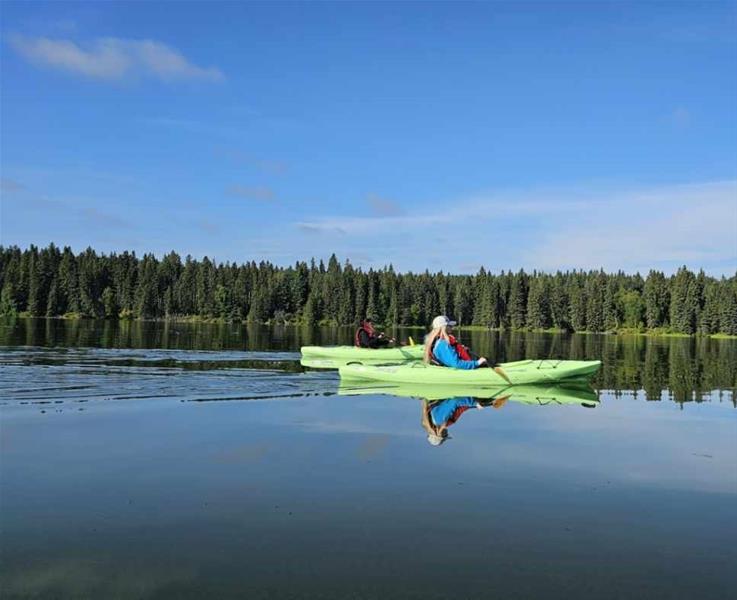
[438,415]
[441,347]
[367,337]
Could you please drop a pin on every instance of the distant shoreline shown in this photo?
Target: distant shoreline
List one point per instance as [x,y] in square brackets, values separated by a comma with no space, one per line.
[196,320]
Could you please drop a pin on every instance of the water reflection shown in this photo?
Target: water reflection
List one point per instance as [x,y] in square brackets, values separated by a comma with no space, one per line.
[686,369]
[178,461]
[438,415]
[442,406]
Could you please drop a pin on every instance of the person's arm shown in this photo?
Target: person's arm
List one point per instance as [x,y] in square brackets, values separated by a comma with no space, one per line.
[375,342]
[445,354]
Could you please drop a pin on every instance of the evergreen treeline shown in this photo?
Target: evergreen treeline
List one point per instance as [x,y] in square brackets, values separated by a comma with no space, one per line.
[54,282]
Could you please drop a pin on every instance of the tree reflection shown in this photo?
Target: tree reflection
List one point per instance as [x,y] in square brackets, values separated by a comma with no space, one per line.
[688,369]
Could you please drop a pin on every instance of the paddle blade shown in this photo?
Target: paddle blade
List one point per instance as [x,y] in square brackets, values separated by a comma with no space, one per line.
[502,374]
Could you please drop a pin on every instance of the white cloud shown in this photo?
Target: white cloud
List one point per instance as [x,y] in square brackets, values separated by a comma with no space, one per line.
[113,59]
[587,227]
[695,225]
[473,210]
[369,226]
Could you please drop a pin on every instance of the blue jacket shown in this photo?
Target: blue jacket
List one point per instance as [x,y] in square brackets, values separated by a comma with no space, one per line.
[448,411]
[446,355]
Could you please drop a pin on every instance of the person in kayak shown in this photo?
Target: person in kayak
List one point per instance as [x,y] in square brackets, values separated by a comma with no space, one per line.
[367,337]
[438,415]
[442,349]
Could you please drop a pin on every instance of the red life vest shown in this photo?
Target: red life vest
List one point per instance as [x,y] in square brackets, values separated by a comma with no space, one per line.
[368,328]
[457,415]
[463,352]
[460,349]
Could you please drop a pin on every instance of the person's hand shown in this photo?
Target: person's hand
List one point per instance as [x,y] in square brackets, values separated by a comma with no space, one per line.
[481,361]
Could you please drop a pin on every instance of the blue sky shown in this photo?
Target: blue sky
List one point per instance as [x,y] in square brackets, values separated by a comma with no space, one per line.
[429,135]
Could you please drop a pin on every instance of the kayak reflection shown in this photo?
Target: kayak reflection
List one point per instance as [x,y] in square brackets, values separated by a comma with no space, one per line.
[443,406]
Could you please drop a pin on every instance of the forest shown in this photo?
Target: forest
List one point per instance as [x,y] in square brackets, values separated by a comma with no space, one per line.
[55,282]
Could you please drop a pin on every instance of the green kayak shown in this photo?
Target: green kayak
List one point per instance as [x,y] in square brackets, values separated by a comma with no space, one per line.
[344,354]
[522,372]
[336,363]
[580,394]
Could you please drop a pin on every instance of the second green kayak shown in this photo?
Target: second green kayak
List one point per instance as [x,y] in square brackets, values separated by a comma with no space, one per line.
[350,353]
[521,372]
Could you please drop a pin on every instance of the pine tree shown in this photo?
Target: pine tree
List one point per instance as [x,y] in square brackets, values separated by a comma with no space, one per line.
[260,305]
[372,301]
[110,303]
[169,309]
[222,301]
[392,311]
[462,301]
[482,313]
[34,287]
[146,306]
[709,318]
[610,306]
[429,306]
[346,306]
[361,285]
[53,302]
[444,307]
[728,307]
[311,313]
[657,300]
[594,303]
[518,301]
[684,302]
[632,308]
[331,288]
[8,303]
[299,286]
[559,303]
[204,284]
[538,309]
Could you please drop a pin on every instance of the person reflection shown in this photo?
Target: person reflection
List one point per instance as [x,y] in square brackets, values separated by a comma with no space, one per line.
[439,415]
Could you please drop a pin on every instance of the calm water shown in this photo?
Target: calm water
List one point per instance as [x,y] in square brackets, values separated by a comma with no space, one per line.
[146,460]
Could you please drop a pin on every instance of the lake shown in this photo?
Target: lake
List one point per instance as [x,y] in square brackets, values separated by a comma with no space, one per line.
[176,460]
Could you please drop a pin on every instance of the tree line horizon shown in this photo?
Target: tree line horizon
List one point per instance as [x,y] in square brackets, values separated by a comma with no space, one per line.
[54,282]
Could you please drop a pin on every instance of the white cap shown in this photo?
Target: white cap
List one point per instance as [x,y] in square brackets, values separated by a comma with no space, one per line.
[434,439]
[442,321]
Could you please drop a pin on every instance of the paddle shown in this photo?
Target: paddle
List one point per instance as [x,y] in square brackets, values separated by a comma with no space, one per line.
[502,374]
[498,370]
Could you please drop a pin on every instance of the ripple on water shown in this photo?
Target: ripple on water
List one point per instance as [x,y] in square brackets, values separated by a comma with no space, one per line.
[33,376]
